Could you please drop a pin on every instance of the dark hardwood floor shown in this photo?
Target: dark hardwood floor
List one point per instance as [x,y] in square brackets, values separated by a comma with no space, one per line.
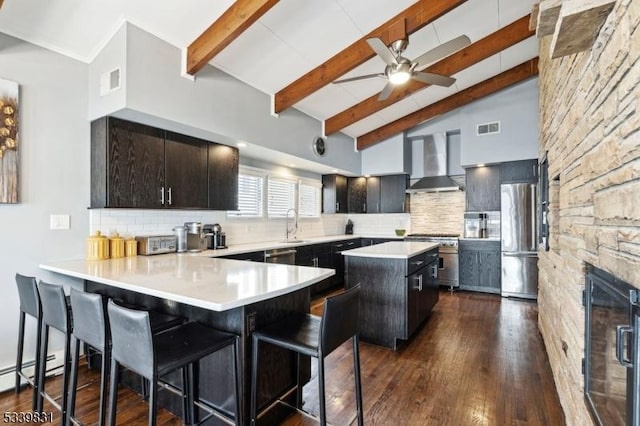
[478,360]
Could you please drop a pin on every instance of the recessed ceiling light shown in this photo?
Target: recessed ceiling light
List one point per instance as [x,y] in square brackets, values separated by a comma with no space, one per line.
[292,165]
[241,144]
[334,170]
[480,165]
[367,175]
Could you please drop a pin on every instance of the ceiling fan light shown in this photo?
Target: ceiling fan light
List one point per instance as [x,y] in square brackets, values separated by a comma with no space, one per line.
[399,77]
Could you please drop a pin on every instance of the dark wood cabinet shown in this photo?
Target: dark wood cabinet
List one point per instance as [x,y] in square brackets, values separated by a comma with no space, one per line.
[479,266]
[127,164]
[223,177]
[396,295]
[373,194]
[254,256]
[334,194]
[483,188]
[357,194]
[185,170]
[393,193]
[139,166]
[524,171]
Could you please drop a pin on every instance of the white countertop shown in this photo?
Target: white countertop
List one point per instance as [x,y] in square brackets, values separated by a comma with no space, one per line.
[215,284]
[269,245]
[392,250]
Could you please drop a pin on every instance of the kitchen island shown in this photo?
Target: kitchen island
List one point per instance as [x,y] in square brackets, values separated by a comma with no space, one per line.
[230,295]
[398,288]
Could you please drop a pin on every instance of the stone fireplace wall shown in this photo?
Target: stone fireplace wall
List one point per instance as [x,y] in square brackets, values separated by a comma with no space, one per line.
[590,131]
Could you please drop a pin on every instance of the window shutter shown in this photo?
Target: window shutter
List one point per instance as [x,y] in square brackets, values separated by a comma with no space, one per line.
[281,196]
[250,196]
[309,200]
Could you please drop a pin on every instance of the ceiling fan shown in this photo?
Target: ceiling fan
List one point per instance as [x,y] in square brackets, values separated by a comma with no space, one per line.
[400,69]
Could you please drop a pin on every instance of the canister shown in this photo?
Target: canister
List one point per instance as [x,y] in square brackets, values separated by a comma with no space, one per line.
[116,246]
[97,247]
[130,247]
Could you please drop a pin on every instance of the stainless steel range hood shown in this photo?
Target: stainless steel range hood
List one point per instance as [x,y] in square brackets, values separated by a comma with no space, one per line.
[435,167]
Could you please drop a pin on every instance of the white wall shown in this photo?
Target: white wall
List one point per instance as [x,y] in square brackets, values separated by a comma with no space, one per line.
[54,176]
[392,156]
[215,106]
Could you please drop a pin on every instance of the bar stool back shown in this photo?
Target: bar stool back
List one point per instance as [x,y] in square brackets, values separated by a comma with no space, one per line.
[57,314]
[317,337]
[90,327]
[29,304]
[152,356]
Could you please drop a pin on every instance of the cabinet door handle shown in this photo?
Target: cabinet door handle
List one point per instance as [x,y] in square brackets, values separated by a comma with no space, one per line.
[621,332]
[337,207]
[169,196]
[535,170]
[403,207]
[434,271]
[315,262]
[162,195]
[378,207]
[417,262]
[364,207]
[420,282]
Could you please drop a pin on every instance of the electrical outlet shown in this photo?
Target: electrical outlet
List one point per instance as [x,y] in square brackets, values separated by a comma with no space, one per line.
[59,221]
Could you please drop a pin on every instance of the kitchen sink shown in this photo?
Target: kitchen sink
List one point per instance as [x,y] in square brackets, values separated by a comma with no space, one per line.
[292,241]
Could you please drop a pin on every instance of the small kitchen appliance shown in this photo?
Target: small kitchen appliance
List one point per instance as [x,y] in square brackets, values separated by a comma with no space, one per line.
[196,240]
[216,239]
[348,229]
[181,235]
[156,244]
[475,225]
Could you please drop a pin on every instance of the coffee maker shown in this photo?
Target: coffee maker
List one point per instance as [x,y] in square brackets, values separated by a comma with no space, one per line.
[196,241]
[475,225]
[216,239]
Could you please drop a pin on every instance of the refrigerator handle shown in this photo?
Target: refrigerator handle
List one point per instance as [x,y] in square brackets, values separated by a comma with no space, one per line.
[621,332]
[534,236]
[635,397]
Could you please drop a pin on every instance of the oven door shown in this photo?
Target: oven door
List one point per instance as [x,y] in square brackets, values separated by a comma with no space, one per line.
[448,267]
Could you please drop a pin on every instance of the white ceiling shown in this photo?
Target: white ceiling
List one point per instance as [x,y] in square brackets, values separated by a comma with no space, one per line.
[292,38]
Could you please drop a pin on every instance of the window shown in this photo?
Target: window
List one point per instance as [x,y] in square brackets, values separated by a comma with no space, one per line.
[250,194]
[309,194]
[259,192]
[281,196]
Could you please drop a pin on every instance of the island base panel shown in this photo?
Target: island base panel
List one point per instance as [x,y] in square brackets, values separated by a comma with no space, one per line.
[215,372]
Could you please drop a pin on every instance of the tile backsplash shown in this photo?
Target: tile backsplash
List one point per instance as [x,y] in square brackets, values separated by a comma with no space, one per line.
[132,222]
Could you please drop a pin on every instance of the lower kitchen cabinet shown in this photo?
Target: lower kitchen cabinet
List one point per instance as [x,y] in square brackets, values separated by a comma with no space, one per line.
[479,266]
[254,256]
[396,295]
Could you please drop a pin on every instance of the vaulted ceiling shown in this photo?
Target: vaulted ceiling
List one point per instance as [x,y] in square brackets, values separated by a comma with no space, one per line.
[293,49]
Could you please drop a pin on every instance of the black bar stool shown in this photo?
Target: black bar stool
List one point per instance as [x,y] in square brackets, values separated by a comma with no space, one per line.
[317,337]
[91,327]
[57,314]
[152,356]
[29,304]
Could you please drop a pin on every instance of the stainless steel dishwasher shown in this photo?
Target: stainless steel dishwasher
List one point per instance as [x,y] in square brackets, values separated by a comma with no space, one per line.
[285,256]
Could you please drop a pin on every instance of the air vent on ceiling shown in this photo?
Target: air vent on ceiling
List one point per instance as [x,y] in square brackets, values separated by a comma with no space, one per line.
[488,128]
[110,81]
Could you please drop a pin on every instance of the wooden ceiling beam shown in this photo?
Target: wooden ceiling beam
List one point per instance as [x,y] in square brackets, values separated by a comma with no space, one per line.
[464,58]
[492,85]
[415,17]
[233,22]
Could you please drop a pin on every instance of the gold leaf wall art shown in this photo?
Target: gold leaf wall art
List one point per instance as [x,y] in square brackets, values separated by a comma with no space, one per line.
[9,141]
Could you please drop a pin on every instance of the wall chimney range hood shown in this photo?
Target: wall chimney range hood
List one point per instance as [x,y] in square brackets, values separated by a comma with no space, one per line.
[435,167]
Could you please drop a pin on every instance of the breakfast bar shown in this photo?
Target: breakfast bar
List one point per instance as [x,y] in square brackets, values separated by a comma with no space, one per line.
[229,295]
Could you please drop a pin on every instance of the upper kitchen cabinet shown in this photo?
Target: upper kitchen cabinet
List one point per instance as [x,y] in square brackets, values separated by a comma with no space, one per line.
[387,194]
[524,171]
[139,166]
[127,164]
[393,193]
[483,188]
[334,194]
[223,177]
[357,194]
[186,160]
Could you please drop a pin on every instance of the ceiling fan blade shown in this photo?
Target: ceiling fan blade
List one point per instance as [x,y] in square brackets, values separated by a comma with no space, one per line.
[382,50]
[361,77]
[442,51]
[386,91]
[431,78]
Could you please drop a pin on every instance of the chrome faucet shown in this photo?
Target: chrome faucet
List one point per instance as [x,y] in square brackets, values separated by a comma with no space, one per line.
[292,231]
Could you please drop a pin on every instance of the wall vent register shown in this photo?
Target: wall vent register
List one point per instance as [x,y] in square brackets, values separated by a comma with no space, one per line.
[488,128]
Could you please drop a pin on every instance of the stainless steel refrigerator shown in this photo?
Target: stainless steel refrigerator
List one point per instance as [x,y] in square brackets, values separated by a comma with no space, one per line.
[519,243]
